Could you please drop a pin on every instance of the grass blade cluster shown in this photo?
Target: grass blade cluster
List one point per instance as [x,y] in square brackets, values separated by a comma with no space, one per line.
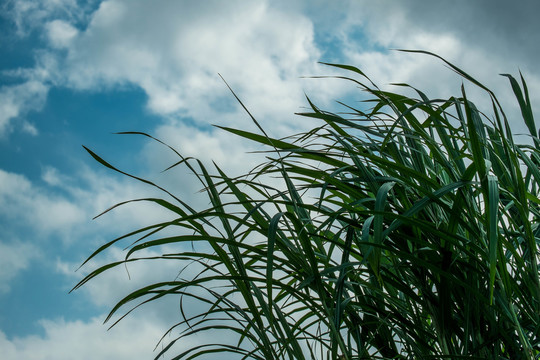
[404,229]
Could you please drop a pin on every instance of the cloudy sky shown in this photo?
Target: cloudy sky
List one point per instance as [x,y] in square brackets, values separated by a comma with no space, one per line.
[74,72]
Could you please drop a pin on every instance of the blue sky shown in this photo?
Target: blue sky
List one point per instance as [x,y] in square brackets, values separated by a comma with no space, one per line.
[73,72]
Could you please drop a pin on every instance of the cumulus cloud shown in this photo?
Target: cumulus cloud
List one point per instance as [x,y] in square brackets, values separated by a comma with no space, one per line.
[134,338]
[29,15]
[57,213]
[174,51]
[228,151]
[17,100]
[497,28]
[30,206]
[29,94]
[258,49]
[52,20]
[65,205]
[476,49]
[14,258]
[60,33]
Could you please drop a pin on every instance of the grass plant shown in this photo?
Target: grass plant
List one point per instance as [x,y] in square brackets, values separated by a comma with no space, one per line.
[407,228]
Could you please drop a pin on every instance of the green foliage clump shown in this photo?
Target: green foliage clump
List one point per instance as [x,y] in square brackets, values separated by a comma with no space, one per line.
[406,231]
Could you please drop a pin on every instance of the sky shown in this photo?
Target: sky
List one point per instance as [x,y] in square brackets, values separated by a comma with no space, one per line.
[73,73]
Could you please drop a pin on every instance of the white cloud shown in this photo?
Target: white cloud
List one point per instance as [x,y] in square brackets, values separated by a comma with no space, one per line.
[401,30]
[52,176]
[261,50]
[29,128]
[175,51]
[134,338]
[60,33]
[29,15]
[29,206]
[228,151]
[114,284]
[14,257]
[17,100]
[64,208]
[98,191]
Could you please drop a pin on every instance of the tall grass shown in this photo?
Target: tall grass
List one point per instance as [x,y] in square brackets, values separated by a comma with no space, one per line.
[406,231]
